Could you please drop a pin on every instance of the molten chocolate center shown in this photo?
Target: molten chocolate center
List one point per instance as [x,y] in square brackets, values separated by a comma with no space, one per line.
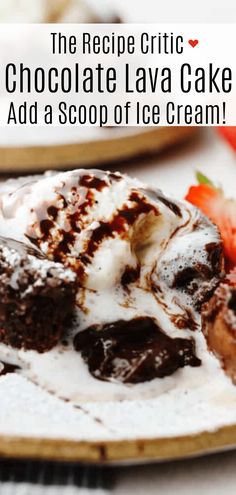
[133,351]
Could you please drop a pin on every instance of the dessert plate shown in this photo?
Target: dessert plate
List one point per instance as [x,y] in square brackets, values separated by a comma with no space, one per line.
[192,413]
[36,425]
[39,149]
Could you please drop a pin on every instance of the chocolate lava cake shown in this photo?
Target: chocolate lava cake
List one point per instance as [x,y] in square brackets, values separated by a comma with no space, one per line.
[36,297]
[145,264]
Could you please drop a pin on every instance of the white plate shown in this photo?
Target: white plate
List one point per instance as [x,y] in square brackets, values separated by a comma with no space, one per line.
[199,418]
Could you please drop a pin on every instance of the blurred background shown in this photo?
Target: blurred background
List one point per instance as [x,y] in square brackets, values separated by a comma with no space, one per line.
[149,153]
[146,152]
[166,157]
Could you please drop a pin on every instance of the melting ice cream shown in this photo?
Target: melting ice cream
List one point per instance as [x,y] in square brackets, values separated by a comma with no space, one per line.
[135,254]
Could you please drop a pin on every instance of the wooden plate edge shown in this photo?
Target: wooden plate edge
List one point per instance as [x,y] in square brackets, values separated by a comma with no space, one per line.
[144,449]
[25,159]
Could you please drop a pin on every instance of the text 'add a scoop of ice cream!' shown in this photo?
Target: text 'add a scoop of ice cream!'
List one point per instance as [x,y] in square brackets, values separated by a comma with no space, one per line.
[143,265]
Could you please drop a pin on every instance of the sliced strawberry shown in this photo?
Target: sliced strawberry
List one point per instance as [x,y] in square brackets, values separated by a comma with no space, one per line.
[229,134]
[221,211]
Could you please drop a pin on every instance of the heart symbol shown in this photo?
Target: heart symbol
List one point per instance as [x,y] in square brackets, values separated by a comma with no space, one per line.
[193,43]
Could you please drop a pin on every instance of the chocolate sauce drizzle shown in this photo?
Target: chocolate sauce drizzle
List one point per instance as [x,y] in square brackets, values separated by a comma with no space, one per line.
[60,246]
[93,182]
[157,195]
[133,351]
[130,275]
[8,368]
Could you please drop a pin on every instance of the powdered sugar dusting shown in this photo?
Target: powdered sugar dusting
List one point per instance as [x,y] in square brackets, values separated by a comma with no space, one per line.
[31,264]
[26,410]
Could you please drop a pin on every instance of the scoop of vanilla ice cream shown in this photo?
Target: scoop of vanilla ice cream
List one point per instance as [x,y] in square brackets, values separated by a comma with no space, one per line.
[97,223]
[112,229]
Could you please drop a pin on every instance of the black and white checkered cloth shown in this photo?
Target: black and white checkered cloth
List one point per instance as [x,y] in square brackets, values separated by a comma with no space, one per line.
[40,478]
[210,475]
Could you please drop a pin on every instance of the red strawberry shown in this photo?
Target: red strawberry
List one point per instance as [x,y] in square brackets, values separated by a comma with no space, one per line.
[229,134]
[221,211]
